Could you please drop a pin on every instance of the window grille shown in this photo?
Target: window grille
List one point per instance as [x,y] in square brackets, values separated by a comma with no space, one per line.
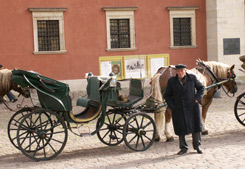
[48,35]
[120,33]
[182,31]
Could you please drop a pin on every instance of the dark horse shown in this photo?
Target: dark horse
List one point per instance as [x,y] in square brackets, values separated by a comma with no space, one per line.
[7,84]
[208,73]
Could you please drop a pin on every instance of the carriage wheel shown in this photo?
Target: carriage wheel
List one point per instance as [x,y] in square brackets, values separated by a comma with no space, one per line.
[41,135]
[111,133]
[239,109]
[14,124]
[139,132]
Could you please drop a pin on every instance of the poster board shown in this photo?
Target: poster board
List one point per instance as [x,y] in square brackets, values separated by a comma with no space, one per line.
[155,61]
[111,64]
[135,66]
[132,66]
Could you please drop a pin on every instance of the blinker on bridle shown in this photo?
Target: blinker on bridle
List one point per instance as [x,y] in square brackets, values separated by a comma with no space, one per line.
[231,75]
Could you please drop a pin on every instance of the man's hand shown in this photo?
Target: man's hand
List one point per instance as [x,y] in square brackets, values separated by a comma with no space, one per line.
[196,101]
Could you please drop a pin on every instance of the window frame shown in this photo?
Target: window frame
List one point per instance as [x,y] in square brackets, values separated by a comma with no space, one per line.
[120,13]
[48,14]
[183,12]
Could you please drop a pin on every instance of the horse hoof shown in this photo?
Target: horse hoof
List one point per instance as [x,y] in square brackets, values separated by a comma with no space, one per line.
[170,139]
[157,139]
[205,132]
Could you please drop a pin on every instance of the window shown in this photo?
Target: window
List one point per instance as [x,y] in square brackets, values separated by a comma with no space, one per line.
[48,35]
[182,27]
[48,30]
[120,33]
[120,28]
[182,31]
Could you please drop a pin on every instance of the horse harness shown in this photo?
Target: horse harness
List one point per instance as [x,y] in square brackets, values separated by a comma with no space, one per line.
[216,80]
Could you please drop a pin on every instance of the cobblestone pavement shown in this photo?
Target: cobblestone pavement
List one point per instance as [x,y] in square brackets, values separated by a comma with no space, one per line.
[224,147]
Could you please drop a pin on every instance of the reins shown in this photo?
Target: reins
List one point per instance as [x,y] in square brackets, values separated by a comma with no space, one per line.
[18,106]
[227,92]
[5,103]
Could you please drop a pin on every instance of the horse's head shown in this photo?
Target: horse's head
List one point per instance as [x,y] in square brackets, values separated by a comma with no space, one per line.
[222,72]
[231,85]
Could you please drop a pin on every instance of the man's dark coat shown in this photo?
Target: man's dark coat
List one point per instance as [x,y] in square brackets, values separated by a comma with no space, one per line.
[181,99]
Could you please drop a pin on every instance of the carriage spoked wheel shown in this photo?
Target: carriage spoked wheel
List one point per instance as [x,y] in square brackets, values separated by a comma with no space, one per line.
[41,135]
[139,132]
[14,124]
[111,132]
[239,109]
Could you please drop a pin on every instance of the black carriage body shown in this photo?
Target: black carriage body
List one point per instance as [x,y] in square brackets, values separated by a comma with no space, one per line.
[52,94]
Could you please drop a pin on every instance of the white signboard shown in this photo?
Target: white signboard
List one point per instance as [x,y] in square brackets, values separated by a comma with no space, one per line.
[156,63]
[105,68]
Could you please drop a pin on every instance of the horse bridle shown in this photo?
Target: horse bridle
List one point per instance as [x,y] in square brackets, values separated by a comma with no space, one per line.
[230,76]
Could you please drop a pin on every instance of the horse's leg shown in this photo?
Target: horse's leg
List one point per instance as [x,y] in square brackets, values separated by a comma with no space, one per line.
[168,117]
[207,102]
[159,124]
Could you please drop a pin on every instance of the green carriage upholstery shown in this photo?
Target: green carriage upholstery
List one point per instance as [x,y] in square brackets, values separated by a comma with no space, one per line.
[92,102]
[136,93]
[92,92]
[52,94]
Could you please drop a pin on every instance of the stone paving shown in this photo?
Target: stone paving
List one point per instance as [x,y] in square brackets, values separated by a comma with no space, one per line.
[224,147]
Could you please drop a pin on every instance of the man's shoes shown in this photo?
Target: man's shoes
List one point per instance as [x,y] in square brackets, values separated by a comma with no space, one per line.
[199,151]
[182,151]
[157,139]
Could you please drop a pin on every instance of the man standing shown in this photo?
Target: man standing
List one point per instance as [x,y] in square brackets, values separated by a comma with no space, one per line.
[183,93]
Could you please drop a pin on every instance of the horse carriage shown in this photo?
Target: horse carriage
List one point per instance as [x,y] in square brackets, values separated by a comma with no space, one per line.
[239,106]
[41,132]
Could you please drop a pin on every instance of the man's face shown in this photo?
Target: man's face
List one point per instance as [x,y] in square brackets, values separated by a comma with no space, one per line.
[181,73]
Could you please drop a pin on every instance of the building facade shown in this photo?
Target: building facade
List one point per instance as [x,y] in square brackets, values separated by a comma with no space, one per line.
[64,39]
[226,31]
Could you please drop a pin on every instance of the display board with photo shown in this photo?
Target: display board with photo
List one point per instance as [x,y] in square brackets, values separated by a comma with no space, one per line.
[135,67]
[132,66]
[111,65]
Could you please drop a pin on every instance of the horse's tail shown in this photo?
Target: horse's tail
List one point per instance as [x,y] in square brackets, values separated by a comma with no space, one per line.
[5,81]
[156,89]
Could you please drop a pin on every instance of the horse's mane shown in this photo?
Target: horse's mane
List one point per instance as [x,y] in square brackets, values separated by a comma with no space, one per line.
[5,81]
[219,69]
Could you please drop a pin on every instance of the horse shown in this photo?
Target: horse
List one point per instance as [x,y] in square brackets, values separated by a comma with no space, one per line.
[208,73]
[7,84]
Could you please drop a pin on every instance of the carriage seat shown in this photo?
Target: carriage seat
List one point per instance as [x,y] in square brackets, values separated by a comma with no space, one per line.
[93,98]
[91,103]
[136,93]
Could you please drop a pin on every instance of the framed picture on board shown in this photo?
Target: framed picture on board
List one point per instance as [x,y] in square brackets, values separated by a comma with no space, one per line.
[135,66]
[111,65]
